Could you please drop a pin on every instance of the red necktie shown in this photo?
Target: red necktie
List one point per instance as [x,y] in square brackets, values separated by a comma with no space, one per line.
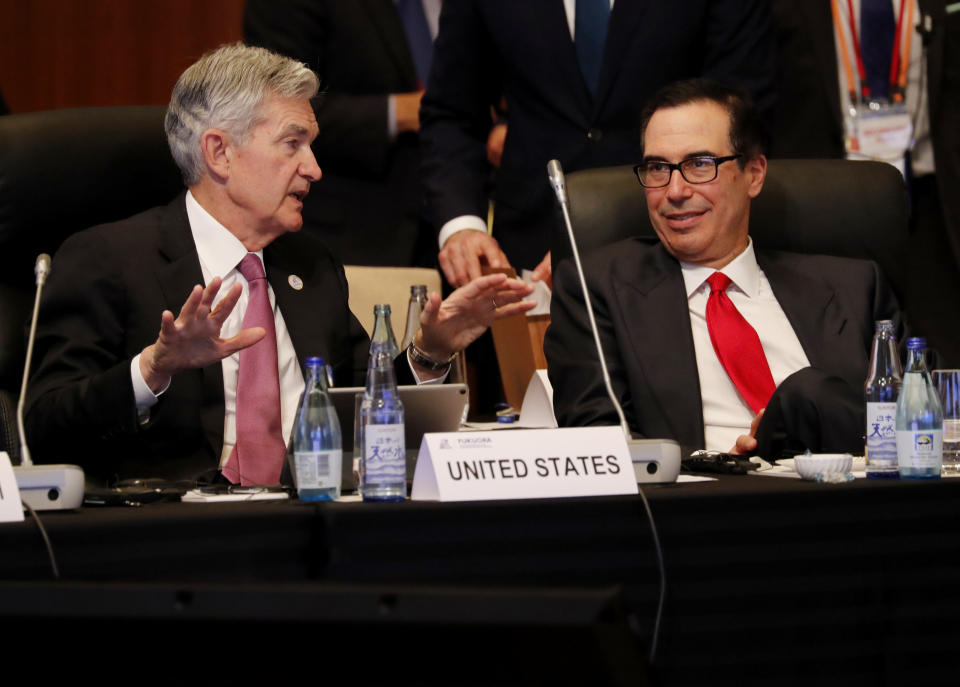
[738,346]
[257,457]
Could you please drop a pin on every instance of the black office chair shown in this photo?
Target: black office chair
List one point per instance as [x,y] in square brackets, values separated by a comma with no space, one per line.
[830,207]
[62,171]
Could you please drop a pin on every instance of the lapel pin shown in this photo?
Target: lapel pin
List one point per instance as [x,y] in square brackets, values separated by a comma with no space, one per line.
[295,282]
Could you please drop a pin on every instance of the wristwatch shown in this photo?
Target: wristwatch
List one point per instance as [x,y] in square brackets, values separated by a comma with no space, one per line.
[420,358]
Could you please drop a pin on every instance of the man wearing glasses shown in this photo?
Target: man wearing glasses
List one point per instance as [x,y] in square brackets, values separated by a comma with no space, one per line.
[702,331]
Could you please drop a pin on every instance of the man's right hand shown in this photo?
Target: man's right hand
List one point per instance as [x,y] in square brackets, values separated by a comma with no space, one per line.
[747,443]
[192,340]
[463,252]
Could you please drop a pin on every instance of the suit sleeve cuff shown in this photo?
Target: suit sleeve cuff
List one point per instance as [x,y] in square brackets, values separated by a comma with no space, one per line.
[461,223]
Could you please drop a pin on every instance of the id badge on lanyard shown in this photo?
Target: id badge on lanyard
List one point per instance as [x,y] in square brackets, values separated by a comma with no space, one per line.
[877,129]
[881,131]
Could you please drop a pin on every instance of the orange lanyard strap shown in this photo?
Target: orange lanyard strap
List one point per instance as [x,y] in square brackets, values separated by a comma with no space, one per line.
[895,60]
[898,71]
[905,60]
[861,72]
[844,53]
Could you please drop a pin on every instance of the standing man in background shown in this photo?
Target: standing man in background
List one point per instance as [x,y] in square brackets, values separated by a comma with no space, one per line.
[842,59]
[574,76]
[373,60]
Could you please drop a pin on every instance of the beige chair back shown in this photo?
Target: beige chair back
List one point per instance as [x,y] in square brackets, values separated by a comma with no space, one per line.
[370,285]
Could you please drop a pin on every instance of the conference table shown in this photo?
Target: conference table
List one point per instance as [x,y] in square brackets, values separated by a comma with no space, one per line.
[769,580]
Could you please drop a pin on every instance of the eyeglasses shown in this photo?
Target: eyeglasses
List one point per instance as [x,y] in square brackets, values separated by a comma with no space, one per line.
[695,170]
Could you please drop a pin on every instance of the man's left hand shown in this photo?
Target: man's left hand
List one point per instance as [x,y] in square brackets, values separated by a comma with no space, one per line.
[449,326]
[746,443]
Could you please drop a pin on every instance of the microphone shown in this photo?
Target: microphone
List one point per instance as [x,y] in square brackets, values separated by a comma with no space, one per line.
[655,460]
[42,269]
[43,487]
[557,180]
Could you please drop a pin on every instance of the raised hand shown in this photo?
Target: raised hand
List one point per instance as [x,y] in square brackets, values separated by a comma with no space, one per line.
[192,339]
[451,325]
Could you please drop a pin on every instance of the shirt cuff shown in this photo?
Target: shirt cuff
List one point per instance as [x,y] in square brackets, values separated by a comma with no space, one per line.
[392,116]
[142,394]
[461,223]
[439,380]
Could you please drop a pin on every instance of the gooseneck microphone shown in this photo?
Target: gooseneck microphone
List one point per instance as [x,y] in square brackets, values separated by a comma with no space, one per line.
[41,269]
[654,460]
[557,180]
[43,487]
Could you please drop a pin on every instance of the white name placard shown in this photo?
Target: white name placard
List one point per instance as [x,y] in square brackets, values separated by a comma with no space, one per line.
[523,464]
[11,509]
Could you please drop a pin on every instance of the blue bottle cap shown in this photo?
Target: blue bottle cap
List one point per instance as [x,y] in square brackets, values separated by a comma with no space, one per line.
[314,360]
[915,343]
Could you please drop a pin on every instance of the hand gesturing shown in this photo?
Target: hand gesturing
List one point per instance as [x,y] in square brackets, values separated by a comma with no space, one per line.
[192,340]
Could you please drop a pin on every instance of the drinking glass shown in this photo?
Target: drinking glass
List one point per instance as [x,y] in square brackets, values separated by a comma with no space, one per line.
[947,383]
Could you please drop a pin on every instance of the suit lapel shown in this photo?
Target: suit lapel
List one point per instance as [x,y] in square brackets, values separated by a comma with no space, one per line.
[652,301]
[302,308]
[625,18]
[383,15]
[179,271]
[811,307]
[554,39]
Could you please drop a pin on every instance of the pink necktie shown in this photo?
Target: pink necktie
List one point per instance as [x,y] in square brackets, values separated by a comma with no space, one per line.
[738,346]
[257,457]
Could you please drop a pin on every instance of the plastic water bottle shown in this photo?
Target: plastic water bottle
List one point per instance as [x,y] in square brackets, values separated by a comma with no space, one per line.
[317,445]
[383,464]
[919,419]
[418,299]
[881,391]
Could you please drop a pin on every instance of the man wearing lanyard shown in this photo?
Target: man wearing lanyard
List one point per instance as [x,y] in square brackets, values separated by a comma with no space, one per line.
[877,79]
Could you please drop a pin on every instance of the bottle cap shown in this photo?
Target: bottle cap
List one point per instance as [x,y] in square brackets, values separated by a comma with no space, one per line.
[884,325]
[915,343]
[314,361]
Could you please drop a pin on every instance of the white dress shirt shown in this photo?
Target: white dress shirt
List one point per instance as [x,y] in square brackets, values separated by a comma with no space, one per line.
[725,414]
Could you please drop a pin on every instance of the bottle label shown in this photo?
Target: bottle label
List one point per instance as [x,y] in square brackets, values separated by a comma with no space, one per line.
[317,469]
[384,454]
[881,436]
[922,448]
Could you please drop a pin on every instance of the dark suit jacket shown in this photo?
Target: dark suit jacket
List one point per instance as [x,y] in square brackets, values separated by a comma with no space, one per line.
[101,307]
[640,303]
[523,51]
[367,206]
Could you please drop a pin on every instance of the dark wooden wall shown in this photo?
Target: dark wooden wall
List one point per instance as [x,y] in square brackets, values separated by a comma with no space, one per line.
[75,53]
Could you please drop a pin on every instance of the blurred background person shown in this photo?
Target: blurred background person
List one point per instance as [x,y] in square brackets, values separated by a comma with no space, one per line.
[373,59]
[910,69]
